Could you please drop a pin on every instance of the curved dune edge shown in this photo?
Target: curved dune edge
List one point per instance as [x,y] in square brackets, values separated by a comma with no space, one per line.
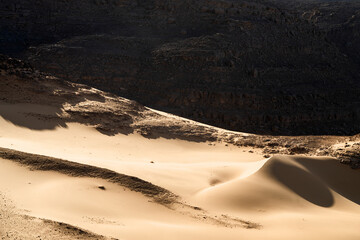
[272,170]
[44,163]
[285,183]
[293,197]
[155,193]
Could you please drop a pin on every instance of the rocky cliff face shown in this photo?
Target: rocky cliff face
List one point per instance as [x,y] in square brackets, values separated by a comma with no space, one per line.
[64,102]
[339,20]
[240,65]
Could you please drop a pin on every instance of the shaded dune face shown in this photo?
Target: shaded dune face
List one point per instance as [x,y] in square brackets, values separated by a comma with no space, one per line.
[286,182]
[33,117]
[337,177]
[303,183]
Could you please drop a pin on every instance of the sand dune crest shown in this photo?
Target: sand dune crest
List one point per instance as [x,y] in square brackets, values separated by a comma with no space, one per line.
[285,181]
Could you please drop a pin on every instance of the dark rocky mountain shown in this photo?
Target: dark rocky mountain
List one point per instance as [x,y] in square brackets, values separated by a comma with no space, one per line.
[66,102]
[260,66]
[340,20]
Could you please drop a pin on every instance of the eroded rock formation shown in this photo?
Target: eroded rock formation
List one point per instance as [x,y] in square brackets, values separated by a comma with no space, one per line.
[247,66]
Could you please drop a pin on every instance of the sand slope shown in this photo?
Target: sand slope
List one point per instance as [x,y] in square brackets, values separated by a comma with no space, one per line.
[313,197]
[291,182]
[113,168]
[178,165]
[279,198]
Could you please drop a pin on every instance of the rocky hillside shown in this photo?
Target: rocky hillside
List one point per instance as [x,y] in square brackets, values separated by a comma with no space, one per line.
[65,102]
[339,20]
[247,66]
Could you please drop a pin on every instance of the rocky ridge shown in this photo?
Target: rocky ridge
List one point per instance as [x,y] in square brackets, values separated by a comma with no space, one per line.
[110,115]
[246,66]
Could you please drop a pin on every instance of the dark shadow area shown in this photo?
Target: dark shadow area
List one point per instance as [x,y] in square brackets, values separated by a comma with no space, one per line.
[262,67]
[112,132]
[304,184]
[193,133]
[35,100]
[338,177]
[34,117]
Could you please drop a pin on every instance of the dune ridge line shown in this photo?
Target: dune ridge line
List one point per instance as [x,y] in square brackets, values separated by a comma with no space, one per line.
[44,163]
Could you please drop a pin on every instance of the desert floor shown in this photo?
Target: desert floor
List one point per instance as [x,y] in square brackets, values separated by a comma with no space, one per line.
[222,191]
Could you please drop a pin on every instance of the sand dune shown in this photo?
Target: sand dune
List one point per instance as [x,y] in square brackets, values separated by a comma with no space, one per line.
[289,182]
[181,166]
[110,167]
[312,197]
[118,211]
[214,191]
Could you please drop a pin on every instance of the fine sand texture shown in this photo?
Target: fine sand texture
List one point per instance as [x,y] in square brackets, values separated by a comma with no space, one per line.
[74,182]
[79,163]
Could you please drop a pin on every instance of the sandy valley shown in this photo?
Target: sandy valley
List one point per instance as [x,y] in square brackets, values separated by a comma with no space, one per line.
[218,190]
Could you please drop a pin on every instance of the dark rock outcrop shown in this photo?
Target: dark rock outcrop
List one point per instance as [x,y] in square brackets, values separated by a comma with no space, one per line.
[339,20]
[239,65]
[54,103]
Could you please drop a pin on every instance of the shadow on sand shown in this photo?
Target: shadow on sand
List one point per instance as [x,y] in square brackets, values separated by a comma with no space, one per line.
[32,116]
[303,183]
[315,182]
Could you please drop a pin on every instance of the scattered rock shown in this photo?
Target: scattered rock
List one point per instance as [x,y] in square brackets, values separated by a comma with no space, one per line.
[272,144]
[298,150]
[345,161]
